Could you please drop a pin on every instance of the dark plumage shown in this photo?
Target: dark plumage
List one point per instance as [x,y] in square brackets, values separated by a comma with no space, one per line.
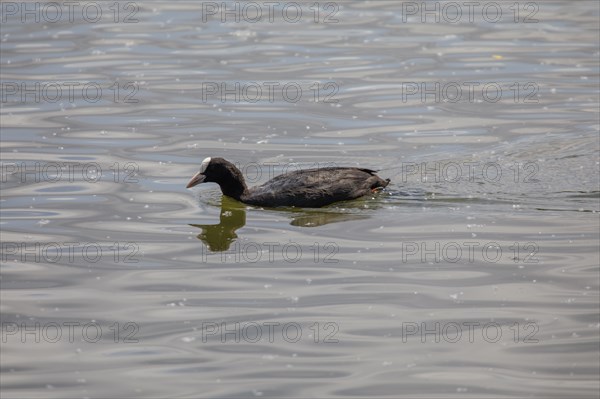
[311,188]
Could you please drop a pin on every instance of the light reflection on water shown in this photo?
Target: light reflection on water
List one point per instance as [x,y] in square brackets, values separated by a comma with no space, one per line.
[519,251]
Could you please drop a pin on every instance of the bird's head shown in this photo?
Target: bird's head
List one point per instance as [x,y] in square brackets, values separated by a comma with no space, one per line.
[222,172]
[205,175]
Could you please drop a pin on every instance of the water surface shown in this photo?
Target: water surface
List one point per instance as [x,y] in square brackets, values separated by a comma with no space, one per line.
[474,275]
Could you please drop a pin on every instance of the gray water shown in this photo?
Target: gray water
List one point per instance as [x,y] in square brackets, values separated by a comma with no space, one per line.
[474,275]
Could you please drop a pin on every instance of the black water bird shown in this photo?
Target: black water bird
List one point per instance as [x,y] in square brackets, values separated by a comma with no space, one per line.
[310,188]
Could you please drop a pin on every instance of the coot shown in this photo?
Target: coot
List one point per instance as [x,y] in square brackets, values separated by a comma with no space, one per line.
[311,188]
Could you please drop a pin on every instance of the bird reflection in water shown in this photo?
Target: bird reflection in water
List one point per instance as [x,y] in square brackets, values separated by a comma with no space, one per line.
[219,237]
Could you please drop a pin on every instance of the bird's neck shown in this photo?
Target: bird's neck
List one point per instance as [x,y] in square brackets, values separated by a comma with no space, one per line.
[233,184]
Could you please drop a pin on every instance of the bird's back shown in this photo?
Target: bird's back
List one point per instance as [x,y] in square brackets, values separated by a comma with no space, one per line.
[315,187]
